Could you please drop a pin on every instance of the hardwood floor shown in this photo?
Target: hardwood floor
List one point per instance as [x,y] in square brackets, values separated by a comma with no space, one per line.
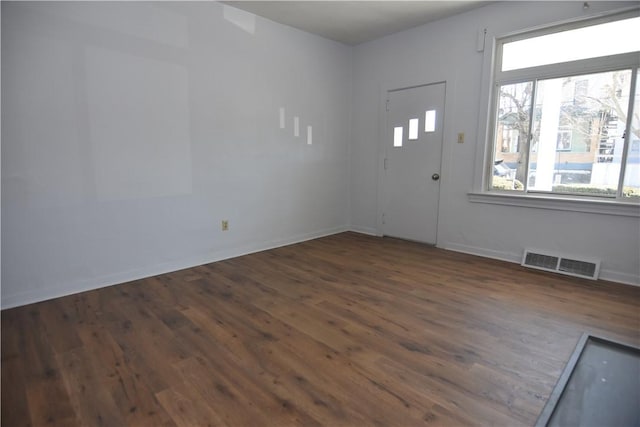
[347,330]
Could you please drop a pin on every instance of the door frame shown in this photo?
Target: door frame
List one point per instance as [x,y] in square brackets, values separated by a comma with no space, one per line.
[382,148]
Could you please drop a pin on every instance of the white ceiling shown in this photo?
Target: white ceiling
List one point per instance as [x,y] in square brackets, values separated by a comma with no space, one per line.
[354,22]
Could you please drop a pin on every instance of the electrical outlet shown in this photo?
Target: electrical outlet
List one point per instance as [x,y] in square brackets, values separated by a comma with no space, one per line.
[225,225]
[461,138]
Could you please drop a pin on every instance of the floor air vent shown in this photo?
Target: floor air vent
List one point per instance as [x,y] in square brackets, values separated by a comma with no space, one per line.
[561,264]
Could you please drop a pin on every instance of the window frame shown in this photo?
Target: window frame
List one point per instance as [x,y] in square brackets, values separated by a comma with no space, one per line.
[494,78]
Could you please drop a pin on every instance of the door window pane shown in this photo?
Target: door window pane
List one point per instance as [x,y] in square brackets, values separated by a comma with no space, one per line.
[631,187]
[397,136]
[512,127]
[577,134]
[413,129]
[430,121]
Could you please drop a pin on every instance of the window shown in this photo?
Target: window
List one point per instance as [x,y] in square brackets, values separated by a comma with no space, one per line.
[565,115]
[430,121]
[397,136]
[413,129]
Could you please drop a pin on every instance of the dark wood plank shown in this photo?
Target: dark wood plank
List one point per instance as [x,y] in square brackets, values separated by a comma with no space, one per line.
[15,409]
[340,331]
[187,408]
[47,397]
[92,402]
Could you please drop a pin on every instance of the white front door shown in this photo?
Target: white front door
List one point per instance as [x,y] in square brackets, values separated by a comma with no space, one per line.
[413,149]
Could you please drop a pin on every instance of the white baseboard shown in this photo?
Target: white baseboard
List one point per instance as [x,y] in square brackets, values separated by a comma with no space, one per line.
[33,296]
[610,275]
[616,276]
[37,295]
[364,230]
[483,252]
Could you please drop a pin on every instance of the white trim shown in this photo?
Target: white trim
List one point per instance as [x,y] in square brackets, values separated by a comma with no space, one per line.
[608,275]
[566,69]
[482,252]
[572,204]
[484,148]
[571,23]
[618,277]
[37,295]
[582,66]
[369,231]
[491,78]
[627,141]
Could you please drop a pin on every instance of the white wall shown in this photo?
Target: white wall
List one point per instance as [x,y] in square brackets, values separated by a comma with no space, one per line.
[446,50]
[130,130]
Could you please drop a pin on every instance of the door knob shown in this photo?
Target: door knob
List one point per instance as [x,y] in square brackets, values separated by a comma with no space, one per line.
[435,177]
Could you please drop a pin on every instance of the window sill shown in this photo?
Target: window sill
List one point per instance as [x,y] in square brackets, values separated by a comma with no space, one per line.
[573,204]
